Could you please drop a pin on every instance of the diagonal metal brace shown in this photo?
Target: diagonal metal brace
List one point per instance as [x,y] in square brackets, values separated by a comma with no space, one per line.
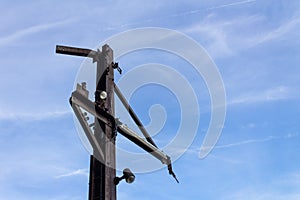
[133,115]
[91,137]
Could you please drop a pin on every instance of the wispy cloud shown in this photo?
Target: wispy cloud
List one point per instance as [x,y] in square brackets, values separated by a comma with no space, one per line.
[19,34]
[227,160]
[231,4]
[34,116]
[225,37]
[270,138]
[222,37]
[191,12]
[180,14]
[280,31]
[74,173]
[253,141]
[274,189]
[273,94]
[267,139]
[262,195]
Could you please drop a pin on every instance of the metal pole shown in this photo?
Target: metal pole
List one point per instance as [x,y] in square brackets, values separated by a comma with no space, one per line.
[102,174]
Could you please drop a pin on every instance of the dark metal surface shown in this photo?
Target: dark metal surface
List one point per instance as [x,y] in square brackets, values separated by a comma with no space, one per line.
[93,108]
[102,174]
[75,51]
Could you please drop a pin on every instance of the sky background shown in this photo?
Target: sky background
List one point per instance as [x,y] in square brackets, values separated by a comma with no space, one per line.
[254,43]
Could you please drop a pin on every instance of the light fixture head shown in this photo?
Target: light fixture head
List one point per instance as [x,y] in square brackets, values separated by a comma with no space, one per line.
[127,175]
[103,95]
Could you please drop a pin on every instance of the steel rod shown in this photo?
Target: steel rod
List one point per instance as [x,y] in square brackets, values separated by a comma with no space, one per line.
[133,115]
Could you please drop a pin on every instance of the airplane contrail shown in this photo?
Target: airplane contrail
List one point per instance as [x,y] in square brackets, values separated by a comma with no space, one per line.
[231,4]
[189,12]
[31,30]
[74,173]
[269,138]
[244,142]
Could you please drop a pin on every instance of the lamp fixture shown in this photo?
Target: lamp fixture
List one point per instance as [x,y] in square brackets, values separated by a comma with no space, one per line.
[127,175]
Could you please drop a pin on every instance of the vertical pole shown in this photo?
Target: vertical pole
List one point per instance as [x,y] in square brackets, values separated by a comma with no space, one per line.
[102,173]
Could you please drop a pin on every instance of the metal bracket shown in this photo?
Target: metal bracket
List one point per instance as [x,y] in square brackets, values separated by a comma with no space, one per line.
[87,129]
[115,65]
[79,99]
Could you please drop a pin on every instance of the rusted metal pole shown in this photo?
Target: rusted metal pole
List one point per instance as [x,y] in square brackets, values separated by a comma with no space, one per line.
[102,174]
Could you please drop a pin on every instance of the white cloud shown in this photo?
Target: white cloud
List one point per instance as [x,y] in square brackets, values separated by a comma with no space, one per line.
[280,31]
[251,141]
[34,115]
[31,30]
[225,159]
[272,190]
[231,4]
[262,195]
[192,12]
[273,94]
[225,37]
[270,138]
[176,15]
[267,139]
[222,37]
[74,173]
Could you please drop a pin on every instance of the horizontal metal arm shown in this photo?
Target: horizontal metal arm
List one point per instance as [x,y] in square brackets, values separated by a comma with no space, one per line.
[92,108]
[75,51]
[135,138]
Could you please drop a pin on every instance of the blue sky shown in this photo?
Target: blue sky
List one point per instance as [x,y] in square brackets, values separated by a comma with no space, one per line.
[255,45]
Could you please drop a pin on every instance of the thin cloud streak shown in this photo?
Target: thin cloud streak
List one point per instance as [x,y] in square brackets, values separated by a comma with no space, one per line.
[279,32]
[74,173]
[191,12]
[225,40]
[270,138]
[228,160]
[34,116]
[221,38]
[6,40]
[272,190]
[273,94]
[232,4]
[185,13]
[267,139]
